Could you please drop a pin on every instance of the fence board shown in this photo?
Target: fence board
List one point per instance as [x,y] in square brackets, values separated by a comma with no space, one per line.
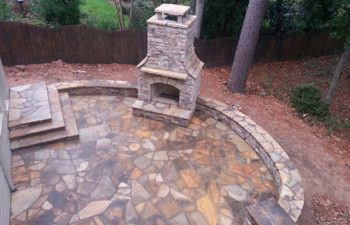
[25,44]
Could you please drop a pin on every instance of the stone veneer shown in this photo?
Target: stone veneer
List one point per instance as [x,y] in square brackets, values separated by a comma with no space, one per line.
[286,175]
[171,61]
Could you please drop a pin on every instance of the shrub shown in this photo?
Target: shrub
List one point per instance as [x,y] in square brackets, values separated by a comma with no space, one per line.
[142,11]
[308,99]
[4,10]
[58,12]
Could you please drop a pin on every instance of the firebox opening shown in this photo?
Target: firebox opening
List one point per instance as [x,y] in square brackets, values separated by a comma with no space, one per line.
[165,93]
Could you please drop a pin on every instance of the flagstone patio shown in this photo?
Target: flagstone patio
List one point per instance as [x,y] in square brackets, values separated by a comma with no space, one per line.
[132,170]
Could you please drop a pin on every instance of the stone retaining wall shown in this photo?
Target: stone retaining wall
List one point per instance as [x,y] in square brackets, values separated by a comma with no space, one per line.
[287,179]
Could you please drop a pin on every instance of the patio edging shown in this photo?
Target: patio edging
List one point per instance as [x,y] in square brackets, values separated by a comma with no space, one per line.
[286,175]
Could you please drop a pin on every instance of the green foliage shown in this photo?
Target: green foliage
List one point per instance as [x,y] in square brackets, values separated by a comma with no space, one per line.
[100,14]
[317,14]
[142,10]
[306,98]
[341,21]
[58,12]
[334,123]
[4,10]
[282,16]
[223,18]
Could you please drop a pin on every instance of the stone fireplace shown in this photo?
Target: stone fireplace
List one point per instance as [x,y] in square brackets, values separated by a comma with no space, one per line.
[170,75]
[165,93]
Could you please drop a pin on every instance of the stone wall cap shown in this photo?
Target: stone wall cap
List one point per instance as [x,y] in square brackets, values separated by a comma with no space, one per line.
[189,21]
[164,73]
[172,9]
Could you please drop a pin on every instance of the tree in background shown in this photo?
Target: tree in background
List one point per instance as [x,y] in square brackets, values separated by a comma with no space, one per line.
[199,13]
[4,10]
[141,11]
[283,16]
[341,26]
[317,14]
[223,18]
[246,45]
[58,12]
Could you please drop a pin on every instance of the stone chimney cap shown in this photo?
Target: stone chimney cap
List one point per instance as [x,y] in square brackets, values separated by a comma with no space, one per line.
[173,10]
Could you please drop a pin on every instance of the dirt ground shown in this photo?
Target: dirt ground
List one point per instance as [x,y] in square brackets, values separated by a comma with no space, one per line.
[322,159]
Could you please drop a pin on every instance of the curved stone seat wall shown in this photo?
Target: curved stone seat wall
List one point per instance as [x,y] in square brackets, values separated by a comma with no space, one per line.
[286,176]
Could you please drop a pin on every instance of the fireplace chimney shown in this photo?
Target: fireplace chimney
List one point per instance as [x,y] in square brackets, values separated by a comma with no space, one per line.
[170,75]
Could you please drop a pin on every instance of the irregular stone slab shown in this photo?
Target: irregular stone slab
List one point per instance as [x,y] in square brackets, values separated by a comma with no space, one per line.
[206,207]
[42,155]
[196,218]
[29,104]
[139,193]
[70,181]
[169,207]
[43,218]
[169,172]
[104,190]
[236,192]
[93,133]
[63,166]
[191,179]
[124,192]
[130,213]
[179,220]
[149,210]
[85,188]
[24,199]
[93,208]
[103,144]
[58,200]
[142,162]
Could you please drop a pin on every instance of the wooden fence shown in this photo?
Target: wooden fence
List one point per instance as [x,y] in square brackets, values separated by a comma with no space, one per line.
[25,44]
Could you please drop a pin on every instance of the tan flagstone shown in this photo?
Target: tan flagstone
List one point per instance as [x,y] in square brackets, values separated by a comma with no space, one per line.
[206,207]
[22,200]
[93,208]
[191,179]
[136,173]
[214,192]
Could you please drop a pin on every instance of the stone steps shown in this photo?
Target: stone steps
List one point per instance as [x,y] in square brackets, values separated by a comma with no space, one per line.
[56,123]
[29,104]
[34,130]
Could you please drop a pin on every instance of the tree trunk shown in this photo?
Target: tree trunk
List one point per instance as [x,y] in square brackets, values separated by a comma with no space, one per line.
[199,14]
[246,45]
[119,14]
[337,73]
[131,14]
[193,7]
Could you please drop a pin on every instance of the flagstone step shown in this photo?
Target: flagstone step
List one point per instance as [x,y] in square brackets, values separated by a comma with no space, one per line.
[57,122]
[162,111]
[29,104]
[70,132]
